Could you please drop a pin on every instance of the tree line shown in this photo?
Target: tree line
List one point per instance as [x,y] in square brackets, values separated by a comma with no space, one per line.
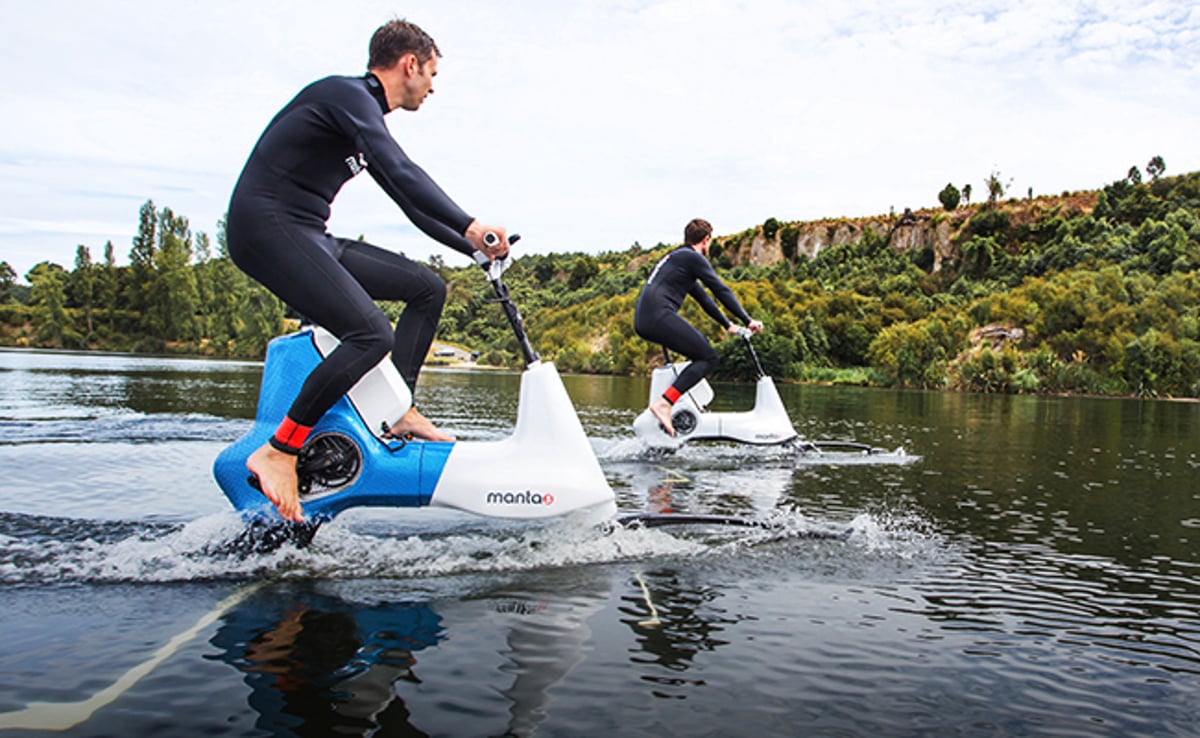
[1093,294]
[174,295]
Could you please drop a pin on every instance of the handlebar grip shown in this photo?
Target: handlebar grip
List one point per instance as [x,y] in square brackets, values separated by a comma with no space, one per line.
[494,268]
[491,239]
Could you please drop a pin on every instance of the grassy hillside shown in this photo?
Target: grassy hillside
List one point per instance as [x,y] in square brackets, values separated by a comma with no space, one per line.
[1092,292]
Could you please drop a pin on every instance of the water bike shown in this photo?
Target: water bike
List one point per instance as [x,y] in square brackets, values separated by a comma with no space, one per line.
[767,424]
[546,468]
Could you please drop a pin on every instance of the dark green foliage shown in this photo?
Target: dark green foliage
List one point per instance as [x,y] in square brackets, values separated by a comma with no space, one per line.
[770,228]
[949,197]
[922,258]
[995,188]
[788,237]
[1155,167]
[8,282]
[172,297]
[1106,301]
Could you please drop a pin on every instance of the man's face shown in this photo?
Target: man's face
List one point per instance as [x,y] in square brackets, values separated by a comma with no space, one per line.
[418,83]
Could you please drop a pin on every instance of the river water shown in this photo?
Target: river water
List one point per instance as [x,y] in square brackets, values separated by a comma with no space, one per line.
[1032,570]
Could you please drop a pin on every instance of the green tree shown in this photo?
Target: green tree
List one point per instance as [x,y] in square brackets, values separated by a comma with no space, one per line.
[107,287]
[228,294]
[262,319]
[141,262]
[770,227]
[949,197]
[981,256]
[204,287]
[173,310]
[1156,167]
[582,271]
[83,286]
[246,316]
[48,284]
[913,354]
[996,188]
[8,280]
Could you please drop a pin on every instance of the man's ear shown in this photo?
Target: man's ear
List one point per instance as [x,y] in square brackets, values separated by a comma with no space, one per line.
[411,65]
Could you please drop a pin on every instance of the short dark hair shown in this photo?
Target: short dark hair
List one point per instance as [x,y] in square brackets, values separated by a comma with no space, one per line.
[695,231]
[396,38]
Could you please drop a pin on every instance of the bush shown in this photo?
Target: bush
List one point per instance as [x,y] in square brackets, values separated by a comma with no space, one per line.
[949,197]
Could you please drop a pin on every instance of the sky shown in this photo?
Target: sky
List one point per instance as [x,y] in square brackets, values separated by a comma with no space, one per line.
[587,126]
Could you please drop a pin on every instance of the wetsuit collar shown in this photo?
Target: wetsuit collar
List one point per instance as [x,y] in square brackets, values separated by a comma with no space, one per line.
[376,88]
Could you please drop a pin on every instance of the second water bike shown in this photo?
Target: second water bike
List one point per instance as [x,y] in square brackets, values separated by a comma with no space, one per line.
[546,468]
[766,424]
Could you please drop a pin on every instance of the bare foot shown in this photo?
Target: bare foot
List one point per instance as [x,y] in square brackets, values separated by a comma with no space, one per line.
[661,409]
[276,472]
[417,425]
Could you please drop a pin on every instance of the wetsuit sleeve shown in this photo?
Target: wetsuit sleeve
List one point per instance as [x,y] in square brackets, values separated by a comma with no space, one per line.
[440,231]
[409,186]
[720,290]
[701,296]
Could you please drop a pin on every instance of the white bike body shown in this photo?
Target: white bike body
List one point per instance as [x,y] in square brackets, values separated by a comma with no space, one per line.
[766,424]
[546,468]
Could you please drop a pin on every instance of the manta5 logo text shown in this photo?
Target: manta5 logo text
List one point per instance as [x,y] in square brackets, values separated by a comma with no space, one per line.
[522,497]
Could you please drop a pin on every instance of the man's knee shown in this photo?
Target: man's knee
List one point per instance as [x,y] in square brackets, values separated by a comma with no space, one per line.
[374,338]
[431,293]
[707,361]
[437,293]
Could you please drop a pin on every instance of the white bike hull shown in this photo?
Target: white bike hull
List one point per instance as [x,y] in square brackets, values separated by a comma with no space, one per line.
[767,424]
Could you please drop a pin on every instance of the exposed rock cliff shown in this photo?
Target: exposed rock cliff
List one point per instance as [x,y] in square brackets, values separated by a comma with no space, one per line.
[935,229]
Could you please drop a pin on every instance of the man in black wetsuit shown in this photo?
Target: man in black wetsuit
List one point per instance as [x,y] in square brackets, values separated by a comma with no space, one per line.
[333,130]
[685,271]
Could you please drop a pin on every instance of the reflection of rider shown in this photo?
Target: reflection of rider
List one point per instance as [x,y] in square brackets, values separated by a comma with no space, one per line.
[658,497]
[328,665]
[682,272]
[333,130]
[687,624]
[320,665]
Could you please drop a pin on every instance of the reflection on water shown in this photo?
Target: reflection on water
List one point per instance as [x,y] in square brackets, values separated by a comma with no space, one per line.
[331,662]
[1037,572]
[325,666]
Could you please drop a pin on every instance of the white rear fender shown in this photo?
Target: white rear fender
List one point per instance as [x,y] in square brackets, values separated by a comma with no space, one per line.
[545,468]
[767,423]
[381,396]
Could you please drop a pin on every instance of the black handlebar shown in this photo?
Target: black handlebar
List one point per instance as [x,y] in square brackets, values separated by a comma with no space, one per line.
[754,355]
[510,308]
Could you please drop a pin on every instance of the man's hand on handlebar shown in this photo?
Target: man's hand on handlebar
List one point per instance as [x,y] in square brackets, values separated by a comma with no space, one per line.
[754,327]
[495,247]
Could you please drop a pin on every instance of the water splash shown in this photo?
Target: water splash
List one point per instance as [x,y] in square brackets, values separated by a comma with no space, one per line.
[721,453]
[46,550]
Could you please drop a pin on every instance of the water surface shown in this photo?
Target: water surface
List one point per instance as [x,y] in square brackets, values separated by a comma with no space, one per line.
[1034,573]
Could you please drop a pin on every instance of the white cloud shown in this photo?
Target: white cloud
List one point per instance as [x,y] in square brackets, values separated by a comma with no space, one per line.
[590,125]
